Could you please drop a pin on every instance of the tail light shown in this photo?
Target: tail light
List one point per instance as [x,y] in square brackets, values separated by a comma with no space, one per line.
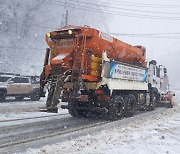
[99,92]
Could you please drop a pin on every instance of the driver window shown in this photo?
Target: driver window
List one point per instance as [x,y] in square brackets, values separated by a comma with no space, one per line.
[15,80]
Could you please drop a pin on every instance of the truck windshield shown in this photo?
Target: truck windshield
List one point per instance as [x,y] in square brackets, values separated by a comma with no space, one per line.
[4,78]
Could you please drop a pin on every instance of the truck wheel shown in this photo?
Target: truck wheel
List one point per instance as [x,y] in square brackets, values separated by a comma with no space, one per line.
[153,101]
[130,105]
[116,108]
[80,113]
[35,97]
[19,98]
[170,105]
[72,110]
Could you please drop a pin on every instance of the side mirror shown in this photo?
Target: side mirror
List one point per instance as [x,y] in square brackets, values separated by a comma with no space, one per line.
[11,82]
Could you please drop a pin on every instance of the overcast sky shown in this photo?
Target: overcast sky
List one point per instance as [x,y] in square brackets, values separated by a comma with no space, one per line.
[165,50]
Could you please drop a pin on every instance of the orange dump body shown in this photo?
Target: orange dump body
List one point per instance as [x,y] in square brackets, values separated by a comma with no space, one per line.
[80,49]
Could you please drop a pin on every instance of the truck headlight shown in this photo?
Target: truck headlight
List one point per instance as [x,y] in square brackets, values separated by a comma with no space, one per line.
[48,35]
[70,32]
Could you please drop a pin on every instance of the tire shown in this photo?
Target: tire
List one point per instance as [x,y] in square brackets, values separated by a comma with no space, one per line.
[153,101]
[80,113]
[130,105]
[35,97]
[19,98]
[170,105]
[72,111]
[116,107]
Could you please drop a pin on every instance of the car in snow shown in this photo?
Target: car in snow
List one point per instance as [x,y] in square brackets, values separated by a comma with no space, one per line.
[19,87]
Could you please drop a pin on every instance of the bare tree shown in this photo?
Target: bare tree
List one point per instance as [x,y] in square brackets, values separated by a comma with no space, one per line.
[23,25]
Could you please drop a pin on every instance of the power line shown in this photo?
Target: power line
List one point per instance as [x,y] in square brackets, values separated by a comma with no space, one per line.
[115,12]
[154,36]
[147,34]
[146,4]
[95,10]
[10,47]
[35,7]
[124,8]
[35,25]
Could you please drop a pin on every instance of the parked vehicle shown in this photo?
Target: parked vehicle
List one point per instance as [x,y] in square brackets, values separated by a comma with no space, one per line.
[96,73]
[18,87]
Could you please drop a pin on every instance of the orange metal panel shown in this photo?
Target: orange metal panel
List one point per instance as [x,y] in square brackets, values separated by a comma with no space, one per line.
[47,70]
[90,77]
[89,41]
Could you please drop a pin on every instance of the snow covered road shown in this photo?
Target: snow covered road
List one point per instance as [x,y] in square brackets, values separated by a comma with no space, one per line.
[158,133]
[151,132]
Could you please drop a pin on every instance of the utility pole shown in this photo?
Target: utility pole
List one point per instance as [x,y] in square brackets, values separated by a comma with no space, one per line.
[64,21]
[66,17]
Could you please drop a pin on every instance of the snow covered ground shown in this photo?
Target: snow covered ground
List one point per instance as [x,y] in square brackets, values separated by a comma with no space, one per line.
[155,134]
[12,109]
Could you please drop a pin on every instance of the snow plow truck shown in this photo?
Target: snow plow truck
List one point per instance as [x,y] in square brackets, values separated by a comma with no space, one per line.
[98,74]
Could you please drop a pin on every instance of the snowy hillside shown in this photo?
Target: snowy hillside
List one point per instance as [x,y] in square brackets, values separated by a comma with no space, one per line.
[23,25]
